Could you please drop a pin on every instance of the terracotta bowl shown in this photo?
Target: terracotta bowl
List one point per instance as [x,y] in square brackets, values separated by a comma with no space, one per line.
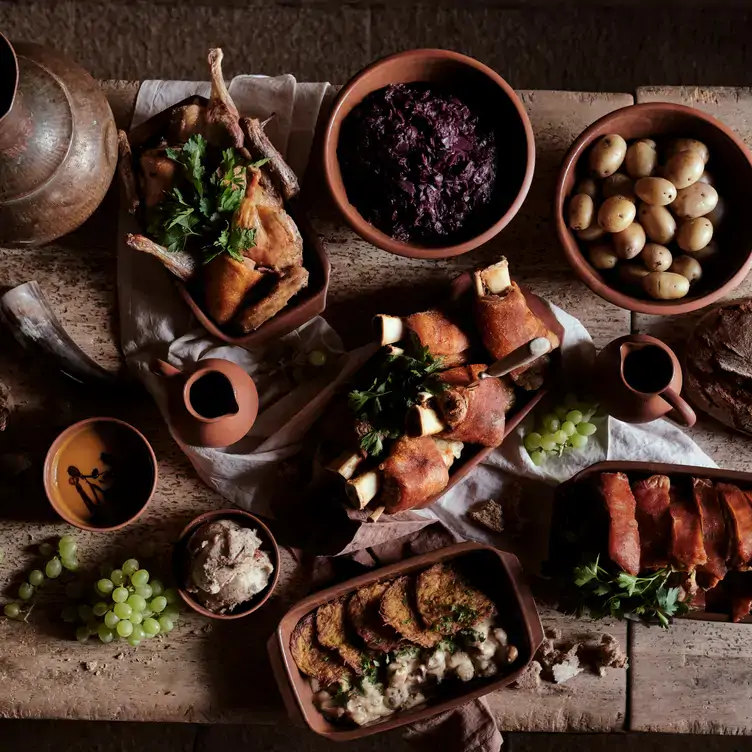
[485,91]
[245,519]
[731,166]
[100,474]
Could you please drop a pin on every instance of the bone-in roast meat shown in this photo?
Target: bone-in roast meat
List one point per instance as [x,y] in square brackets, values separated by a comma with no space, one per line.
[714,533]
[739,522]
[653,520]
[227,281]
[687,547]
[623,533]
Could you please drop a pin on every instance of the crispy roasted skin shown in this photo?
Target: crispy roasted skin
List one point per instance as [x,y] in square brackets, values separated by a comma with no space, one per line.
[715,536]
[363,613]
[738,521]
[623,533]
[477,415]
[331,628]
[157,175]
[186,121]
[437,332]
[226,283]
[260,147]
[687,547]
[288,285]
[447,603]
[412,474]
[222,117]
[125,171]
[505,323]
[397,610]
[312,660]
[653,520]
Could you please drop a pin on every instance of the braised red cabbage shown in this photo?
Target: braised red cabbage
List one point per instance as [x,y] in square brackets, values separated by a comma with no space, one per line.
[417,162]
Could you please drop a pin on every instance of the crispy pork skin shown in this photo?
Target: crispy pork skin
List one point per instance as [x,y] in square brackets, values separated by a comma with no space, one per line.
[738,510]
[715,536]
[653,520]
[623,533]
[687,547]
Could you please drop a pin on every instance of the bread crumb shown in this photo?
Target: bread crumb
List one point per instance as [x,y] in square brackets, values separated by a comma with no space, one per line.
[91,665]
[120,656]
[489,514]
[530,678]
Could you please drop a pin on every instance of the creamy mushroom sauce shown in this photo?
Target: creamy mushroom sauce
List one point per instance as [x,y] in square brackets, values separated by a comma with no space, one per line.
[411,675]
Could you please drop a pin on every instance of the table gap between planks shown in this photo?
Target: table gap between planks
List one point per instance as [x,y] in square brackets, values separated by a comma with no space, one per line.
[206,672]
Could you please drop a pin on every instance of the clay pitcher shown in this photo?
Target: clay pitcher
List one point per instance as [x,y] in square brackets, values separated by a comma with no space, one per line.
[213,403]
[58,145]
[638,378]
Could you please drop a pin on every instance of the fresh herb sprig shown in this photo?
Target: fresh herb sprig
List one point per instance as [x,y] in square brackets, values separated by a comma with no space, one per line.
[626,596]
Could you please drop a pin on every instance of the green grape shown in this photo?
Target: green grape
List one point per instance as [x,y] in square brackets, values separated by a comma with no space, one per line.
[129,567]
[561,411]
[67,546]
[548,442]
[150,627]
[70,563]
[173,612]
[140,578]
[574,416]
[120,595]
[568,427]
[551,422]
[104,586]
[85,612]
[124,628]
[165,624]
[74,590]
[157,588]
[53,568]
[12,610]
[586,429]
[158,604]
[133,642]
[46,550]
[579,441]
[560,437]
[172,596]
[70,614]
[36,577]
[147,612]
[532,441]
[26,592]
[317,358]
[106,635]
[138,632]
[100,608]
[136,602]
[83,634]
[145,591]
[538,457]
[136,617]
[117,577]
[111,619]
[122,610]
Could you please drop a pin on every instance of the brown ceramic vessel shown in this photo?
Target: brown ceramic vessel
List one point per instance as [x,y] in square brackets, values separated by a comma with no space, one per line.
[181,563]
[94,491]
[58,145]
[486,92]
[638,378]
[496,573]
[214,403]
[731,166]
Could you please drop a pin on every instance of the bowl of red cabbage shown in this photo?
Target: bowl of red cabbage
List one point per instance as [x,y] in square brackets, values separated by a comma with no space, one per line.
[428,153]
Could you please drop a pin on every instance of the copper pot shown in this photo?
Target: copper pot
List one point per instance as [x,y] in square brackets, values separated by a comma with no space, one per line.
[58,145]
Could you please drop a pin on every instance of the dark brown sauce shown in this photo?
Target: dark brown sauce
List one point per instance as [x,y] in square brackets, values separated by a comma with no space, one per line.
[212,396]
[648,370]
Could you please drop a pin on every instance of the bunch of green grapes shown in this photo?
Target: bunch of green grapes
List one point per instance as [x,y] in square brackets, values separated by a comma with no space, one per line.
[568,426]
[129,605]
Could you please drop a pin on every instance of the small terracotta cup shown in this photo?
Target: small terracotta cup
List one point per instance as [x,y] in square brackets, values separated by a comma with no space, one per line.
[100,474]
[485,91]
[244,519]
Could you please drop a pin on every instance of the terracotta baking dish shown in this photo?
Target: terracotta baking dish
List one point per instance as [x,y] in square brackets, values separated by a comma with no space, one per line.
[309,303]
[497,573]
[640,470]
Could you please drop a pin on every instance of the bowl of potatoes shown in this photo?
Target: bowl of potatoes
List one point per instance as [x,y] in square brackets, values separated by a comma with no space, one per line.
[650,208]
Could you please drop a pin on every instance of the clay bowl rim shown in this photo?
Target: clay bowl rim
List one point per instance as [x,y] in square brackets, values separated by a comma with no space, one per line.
[55,447]
[571,248]
[182,541]
[336,186]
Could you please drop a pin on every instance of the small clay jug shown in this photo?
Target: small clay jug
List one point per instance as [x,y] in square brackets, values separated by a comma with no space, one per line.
[638,378]
[213,403]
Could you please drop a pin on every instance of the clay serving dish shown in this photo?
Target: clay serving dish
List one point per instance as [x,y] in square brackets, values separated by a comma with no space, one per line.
[731,166]
[486,93]
[496,573]
[244,519]
[307,304]
[640,470]
[100,474]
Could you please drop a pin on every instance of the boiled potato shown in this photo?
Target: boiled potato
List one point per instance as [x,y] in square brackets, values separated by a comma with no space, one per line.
[717,214]
[655,191]
[589,187]
[602,256]
[687,267]
[696,201]
[641,159]
[705,254]
[629,242]
[683,169]
[694,234]
[618,184]
[607,155]
[632,274]
[665,285]
[659,224]
[657,258]
[594,232]
[679,145]
[581,210]
[616,214]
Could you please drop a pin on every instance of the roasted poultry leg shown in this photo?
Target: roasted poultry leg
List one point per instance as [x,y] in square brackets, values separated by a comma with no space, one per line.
[222,116]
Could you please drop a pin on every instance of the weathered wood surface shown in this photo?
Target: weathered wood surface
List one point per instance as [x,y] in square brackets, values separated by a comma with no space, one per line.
[696,677]
[219,673]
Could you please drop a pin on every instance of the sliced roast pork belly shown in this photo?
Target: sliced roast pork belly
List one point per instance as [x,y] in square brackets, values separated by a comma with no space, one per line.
[687,547]
[653,520]
[714,533]
[623,534]
[738,511]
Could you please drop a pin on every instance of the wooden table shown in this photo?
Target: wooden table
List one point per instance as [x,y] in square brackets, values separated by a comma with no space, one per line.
[206,672]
